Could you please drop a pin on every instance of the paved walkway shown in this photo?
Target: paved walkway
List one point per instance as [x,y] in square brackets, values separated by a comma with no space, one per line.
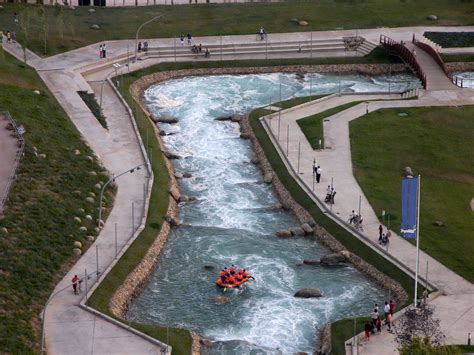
[454,305]
[8,152]
[70,329]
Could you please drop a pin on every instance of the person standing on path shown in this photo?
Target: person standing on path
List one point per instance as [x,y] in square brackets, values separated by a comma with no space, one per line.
[386,309]
[374,316]
[100,51]
[75,282]
[367,329]
[392,307]
[318,174]
[189,38]
[380,232]
[181,39]
[389,322]
[104,51]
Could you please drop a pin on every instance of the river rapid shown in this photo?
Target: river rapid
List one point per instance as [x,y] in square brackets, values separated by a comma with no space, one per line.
[234,221]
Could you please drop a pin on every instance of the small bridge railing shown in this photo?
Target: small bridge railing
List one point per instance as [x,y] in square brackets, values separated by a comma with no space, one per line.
[405,54]
[433,53]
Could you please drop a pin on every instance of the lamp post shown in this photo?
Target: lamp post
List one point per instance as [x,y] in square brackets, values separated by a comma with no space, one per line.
[112,179]
[138,30]
[116,66]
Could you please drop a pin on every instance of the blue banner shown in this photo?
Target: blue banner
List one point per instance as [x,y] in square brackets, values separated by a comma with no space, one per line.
[409,207]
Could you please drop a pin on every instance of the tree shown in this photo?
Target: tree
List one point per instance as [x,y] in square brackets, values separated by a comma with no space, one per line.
[424,347]
[418,322]
[43,28]
[24,28]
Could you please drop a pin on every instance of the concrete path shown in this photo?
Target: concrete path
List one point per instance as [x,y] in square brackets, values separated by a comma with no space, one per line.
[454,305]
[70,329]
[8,152]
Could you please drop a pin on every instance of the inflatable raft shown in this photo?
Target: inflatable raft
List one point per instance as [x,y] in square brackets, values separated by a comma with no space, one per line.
[236,283]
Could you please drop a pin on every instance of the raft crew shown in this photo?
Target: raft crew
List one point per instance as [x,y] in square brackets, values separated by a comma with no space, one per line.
[232,277]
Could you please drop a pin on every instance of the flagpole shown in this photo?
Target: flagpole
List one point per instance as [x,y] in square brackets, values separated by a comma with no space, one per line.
[417,239]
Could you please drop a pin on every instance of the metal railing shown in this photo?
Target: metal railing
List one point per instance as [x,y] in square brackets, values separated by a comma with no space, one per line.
[462,82]
[433,53]
[18,156]
[400,50]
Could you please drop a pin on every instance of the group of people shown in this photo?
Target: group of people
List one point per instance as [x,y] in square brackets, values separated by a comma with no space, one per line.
[188,36]
[103,51]
[384,238]
[232,276]
[356,219]
[144,47]
[330,195]
[375,323]
[7,37]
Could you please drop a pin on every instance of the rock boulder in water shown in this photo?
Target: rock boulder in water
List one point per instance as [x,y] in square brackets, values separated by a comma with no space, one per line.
[165,119]
[221,299]
[170,155]
[311,262]
[297,231]
[245,135]
[284,233]
[236,118]
[223,118]
[333,259]
[307,228]
[268,178]
[208,267]
[308,293]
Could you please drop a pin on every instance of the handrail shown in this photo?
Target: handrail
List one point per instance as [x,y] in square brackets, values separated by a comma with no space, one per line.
[405,54]
[19,154]
[433,53]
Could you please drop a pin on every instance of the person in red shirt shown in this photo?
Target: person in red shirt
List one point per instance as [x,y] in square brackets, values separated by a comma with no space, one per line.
[75,282]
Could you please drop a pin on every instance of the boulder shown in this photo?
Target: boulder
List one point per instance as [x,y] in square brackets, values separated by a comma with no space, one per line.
[187,175]
[307,228]
[178,175]
[98,186]
[173,221]
[37,92]
[166,119]
[297,231]
[5,230]
[221,299]
[206,342]
[90,158]
[92,173]
[208,267]
[223,118]
[286,205]
[91,194]
[170,155]
[90,238]
[76,251]
[81,210]
[345,253]
[191,198]
[162,133]
[432,17]
[77,244]
[311,262]
[183,198]
[90,199]
[95,26]
[471,204]
[407,172]
[77,152]
[89,217]
[283,233]
[42,156]
[236,118]
[438,223]
[332,259]
[91,10]
[174,191]
[83,229]
[77,219]
[255,161]
[268,177]
[245,135]
[308,293]
[277,206]
[303,23]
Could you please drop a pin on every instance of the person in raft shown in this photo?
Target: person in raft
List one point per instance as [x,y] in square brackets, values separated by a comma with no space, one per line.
[232,276]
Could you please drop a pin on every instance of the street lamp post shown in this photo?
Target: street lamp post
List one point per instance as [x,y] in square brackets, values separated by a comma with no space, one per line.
[112,179]
[138,30]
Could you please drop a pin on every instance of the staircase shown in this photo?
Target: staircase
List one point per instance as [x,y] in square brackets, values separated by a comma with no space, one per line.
[366,47]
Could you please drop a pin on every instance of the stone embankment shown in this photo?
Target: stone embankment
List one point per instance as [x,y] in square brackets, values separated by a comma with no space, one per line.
[457,67]
[137,279]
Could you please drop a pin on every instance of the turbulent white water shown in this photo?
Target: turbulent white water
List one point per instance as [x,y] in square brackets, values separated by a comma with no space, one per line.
[234,221]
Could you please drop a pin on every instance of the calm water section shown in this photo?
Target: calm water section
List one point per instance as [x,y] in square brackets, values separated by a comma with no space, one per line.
[234,220]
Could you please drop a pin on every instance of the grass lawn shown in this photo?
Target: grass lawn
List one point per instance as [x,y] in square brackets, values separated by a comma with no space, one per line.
[66,29]
[47,194]
[451,39]
[436,143]
[312,126]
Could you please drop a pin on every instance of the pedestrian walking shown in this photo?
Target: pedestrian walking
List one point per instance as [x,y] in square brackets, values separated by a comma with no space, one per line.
[104,51]
[9,38]
[145,46]
[386,309]
[392,307]
[318,174]
[380,232]
[367,329]
[389,322]
[374,316]
[190,37]
[75,283]
[181,39]
[139,46]
[352,217]
[100,51]
[378,325]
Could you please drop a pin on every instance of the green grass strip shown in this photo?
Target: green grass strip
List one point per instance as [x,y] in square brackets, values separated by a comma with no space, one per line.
[91,102]
[312,126]
[451,39]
